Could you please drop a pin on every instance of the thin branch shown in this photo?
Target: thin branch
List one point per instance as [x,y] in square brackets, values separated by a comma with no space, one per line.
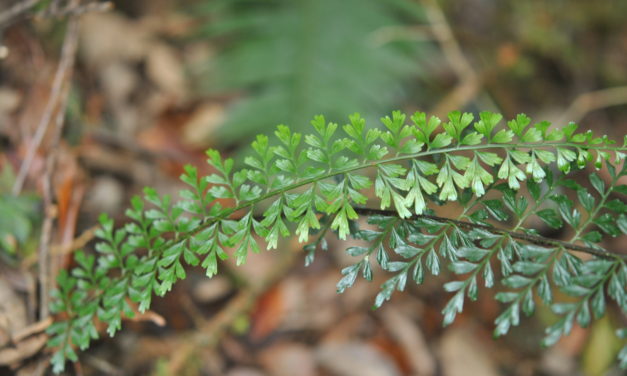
[72,10]
[66,63]
[16,11]
[54,6]
[43,254]
[450,47]
[594,100]
[54,10]
[389,34]
[60,95]
[470,82]
[32,329]
[210,333]
[534,239]
[57,130]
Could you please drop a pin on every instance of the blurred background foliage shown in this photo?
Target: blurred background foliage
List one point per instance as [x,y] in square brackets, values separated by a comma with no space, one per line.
[285,61]
[292,59]
[539,55]
[19,220]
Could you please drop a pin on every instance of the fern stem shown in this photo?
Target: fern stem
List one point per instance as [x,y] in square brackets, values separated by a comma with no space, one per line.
[594,213]
[320,238]
[406,157]
[535,239]
[372,164]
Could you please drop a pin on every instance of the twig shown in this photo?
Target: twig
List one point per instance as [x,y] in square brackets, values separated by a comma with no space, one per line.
[59,122]
[62,250]
[148,316]
[70,10]
[535,239]
[470,81]
[68,53]
[192,310]
[102,365]
[389,34]
[44,244]
[17,10]
[594,100]
[79,242]
[450,47]
[212,330]
[22,350]
[35,328]
[58,96]
[54,10]
[42,365]
[209,334]
[54,6]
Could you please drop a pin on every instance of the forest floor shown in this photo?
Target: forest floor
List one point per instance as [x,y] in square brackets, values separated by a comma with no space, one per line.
[134,119]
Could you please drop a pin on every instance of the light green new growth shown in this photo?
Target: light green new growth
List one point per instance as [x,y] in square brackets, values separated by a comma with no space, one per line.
[501,176]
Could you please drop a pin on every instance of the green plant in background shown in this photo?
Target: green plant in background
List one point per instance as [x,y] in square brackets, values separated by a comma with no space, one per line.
[17,221]
[19,217]
[319,183]
[293,59]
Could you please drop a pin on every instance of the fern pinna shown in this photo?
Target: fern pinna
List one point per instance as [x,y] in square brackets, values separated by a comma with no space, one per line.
[319,183]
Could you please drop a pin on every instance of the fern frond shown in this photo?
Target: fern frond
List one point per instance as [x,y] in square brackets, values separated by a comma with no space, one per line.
[502,178]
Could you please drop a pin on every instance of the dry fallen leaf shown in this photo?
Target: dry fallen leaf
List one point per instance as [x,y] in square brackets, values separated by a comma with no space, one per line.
[165,69]
[110,36]
[287,359]
[463,354]
[22,350]
[268,313]
[202,125]
[408,334]
[12,312]
[355,359]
